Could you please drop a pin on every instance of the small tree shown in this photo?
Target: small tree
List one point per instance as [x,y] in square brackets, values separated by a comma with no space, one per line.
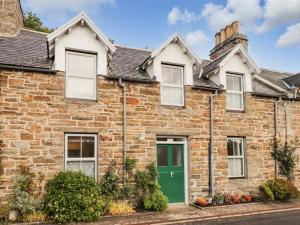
[33,22]
[286,157]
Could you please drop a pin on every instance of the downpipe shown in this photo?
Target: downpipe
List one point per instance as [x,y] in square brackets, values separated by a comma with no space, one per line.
[211,182]
[276,133]
[122,85]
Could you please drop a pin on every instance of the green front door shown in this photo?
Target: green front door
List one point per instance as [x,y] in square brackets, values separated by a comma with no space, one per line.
[170,164]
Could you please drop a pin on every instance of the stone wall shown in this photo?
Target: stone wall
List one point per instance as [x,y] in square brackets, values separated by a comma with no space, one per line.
[11,18]
[35,116]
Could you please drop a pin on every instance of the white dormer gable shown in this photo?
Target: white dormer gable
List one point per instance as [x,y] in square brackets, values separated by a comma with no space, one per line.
[173,51]
[79,34]
[237,61]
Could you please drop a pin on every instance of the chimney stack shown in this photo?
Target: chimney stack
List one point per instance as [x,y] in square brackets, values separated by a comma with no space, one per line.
[227,38]
[11,18]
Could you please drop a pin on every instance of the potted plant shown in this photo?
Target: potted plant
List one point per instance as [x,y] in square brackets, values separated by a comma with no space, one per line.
[236,199]
[218,199]
[202,202]
[247,198]
[228,199]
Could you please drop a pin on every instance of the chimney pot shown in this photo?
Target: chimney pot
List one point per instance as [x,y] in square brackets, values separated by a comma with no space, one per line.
[235,27]
[223,36]
[217,38]
[228,31]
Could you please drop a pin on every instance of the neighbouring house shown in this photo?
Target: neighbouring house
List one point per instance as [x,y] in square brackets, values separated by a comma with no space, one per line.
[73,100]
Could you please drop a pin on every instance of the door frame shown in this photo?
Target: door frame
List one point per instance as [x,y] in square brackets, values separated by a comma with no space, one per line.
[170,140]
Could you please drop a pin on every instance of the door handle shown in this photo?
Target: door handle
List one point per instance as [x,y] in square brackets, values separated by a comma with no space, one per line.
[172,173]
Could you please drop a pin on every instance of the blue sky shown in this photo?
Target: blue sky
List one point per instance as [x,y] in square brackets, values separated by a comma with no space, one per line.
[272,26]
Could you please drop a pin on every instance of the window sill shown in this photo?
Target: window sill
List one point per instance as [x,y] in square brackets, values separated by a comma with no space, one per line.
[235,111]
[236,178]
[173,106]
[79,100]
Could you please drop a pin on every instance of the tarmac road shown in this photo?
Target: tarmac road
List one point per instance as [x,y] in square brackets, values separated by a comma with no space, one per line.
[277,218]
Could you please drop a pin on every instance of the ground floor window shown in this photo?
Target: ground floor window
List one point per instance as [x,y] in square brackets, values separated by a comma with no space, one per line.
[236,157]
[81,153]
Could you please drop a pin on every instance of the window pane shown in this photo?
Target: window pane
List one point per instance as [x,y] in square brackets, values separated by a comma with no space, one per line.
[230,167]
[166,95]
[237,101]
[88,144]
[166,75]
[177,96]
[176,155]
[237,83]
[177,76]
[230,101]
[88,88]
[230,147]
[162,155]
[74,147]
[238,167]
[73,166]
[74,87]
[88,168]
[229,82]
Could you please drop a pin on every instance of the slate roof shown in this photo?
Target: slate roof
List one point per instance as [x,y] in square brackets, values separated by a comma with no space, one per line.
[260,88]
[126,61]
[212,65]
[28,49]
[293,80]
[275,77]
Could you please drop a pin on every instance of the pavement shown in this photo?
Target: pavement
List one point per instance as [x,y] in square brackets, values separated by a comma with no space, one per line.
[273,213]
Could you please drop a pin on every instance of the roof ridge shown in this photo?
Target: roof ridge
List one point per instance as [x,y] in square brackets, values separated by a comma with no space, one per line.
[141,49]
[277,71]
[33,31]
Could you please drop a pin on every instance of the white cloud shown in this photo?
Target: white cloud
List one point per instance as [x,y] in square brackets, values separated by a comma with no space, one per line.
[279,12]
[290,37]
[176,15]
[57,10]
[196,38]
[247,12]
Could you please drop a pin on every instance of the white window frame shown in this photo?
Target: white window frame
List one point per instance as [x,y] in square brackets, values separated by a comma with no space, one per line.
[172,85]
[67,159]
[237,157]
[241,77]
[94,77]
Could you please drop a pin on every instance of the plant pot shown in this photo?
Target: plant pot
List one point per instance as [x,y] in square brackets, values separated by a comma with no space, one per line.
[220,202]
[12,215]
[209,200]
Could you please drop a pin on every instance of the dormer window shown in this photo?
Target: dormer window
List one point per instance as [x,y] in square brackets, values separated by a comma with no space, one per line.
[172,89]
[235,92]
[81,75]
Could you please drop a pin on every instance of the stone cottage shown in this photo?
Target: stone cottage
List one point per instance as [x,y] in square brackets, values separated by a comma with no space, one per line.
[73,100]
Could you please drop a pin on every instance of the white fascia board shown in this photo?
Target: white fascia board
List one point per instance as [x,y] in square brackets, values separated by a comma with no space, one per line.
[81,16]
[239,48]
[177,36]
[270,83]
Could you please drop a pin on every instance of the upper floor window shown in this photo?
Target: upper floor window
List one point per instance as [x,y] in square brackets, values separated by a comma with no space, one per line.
[235,94]
[236,157]
[172,89]
[80,75]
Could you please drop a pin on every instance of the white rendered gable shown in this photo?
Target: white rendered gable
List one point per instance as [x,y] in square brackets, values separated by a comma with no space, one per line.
[174,52]
[79,34]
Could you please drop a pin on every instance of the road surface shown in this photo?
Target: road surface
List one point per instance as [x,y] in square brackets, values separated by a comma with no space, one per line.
[277,218]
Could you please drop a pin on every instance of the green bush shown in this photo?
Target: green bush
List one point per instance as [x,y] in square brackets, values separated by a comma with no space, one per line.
[3,213]
[148,191]
[109,184]
[24,199]
[73,196]
[156,202]
[282,189]
[266,192]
